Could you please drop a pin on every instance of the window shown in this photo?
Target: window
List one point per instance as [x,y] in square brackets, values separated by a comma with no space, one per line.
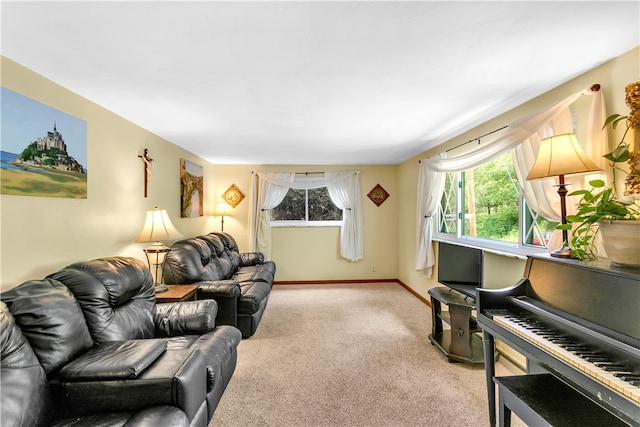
[485,204]
[306,207]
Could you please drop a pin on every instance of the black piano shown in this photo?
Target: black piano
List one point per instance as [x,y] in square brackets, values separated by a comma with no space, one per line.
[579,321]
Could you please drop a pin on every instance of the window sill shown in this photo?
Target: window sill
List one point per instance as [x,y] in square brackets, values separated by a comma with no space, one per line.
[292,224]
[512,250]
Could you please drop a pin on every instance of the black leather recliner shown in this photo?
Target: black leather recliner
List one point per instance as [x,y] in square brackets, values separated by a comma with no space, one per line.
[27,400]
[239,282]
[107,351]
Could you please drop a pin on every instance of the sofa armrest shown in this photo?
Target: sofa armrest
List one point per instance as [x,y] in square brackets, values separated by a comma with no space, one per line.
[251,258]
[212,289]
[185,318]
[227,295]
[178,378]
[114,360]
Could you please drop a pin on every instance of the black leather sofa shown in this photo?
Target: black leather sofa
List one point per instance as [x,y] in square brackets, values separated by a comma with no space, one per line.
[239,282]
[89,346]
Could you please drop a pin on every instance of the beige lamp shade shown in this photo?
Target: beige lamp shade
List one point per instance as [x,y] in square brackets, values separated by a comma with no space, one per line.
[157,227]
[223,209]
[561,155]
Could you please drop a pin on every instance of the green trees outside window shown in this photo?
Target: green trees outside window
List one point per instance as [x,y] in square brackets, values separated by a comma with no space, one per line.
[485,203]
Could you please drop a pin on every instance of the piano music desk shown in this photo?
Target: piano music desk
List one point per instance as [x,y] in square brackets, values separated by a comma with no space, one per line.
[542,400]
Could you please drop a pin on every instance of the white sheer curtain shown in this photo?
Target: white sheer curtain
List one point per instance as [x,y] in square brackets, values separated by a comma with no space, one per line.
[430,188]
[269,189]
[345,194]
[430,185]
[541,194]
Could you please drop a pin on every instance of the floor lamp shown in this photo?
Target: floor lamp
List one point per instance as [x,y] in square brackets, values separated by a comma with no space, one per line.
[223,209]
[561,155]
[157,226]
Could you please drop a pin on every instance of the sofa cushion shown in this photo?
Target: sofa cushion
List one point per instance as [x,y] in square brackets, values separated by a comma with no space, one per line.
[230,249]
[114,360]
[253,294]
[189,261]
[24,397]
[154,416]
[186,318]
[51,319]
[253,274]
[215,244]
[116,295]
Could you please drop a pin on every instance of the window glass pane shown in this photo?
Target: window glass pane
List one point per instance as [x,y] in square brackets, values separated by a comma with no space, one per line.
[448,214]
[292,208]
[538,229]
[321,208]
[491,201]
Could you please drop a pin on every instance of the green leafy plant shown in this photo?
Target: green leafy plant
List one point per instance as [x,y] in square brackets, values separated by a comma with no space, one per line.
[600,203]
[621,153]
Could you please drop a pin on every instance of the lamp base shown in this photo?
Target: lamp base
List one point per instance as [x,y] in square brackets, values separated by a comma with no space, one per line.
[160,287]
[562,252]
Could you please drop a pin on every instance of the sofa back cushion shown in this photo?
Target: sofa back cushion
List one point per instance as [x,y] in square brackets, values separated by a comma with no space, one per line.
[116,296]
[25,399]
[214,243]
[219,255]
[231,251]
[189,261]
[51,319]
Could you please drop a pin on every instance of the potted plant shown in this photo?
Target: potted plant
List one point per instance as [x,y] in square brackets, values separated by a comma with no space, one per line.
[600,209]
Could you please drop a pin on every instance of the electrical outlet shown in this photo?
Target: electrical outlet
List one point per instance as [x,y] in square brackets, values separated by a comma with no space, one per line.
[373,267]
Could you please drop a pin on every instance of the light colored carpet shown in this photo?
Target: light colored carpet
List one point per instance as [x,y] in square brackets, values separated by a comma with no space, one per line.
[349,355]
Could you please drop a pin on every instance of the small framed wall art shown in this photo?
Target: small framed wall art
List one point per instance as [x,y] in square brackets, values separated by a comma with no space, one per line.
[378,195]
[233,196]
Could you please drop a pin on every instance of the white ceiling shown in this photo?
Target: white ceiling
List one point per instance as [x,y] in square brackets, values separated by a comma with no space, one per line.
[293,82]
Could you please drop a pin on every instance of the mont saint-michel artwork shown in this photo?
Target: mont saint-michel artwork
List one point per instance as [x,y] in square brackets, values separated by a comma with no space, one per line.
[43,150]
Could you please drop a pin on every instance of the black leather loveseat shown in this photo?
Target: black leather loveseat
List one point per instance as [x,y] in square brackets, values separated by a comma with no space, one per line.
[89,346]
[239,282]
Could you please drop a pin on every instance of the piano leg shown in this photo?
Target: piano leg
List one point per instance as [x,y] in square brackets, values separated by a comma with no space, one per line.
[488,345]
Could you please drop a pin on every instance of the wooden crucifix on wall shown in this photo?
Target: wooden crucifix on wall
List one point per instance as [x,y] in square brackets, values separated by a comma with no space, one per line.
[147,169]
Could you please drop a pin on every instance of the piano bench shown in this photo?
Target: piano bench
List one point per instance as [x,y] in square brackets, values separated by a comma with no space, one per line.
[543,400]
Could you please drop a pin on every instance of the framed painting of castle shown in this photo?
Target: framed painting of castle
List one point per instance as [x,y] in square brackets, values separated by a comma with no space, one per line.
[44,150]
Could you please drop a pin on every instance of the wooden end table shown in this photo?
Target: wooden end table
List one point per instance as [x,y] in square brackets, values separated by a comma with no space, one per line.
[177,293]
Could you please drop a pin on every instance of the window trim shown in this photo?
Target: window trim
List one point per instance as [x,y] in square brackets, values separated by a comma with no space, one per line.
[518,250]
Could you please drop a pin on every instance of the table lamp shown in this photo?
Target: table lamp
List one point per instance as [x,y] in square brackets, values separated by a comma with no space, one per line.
[157,227]
[561,155]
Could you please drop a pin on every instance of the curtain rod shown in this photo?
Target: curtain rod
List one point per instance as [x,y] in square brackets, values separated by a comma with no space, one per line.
[301,173]
[476,139]
[594,88]
[472,140]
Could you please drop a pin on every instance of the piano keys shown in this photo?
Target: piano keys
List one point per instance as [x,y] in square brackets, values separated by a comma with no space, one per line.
[580,321]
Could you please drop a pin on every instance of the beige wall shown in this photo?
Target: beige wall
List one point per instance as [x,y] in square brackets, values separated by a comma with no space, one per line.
[40,235]
[312,253]
[613,76]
